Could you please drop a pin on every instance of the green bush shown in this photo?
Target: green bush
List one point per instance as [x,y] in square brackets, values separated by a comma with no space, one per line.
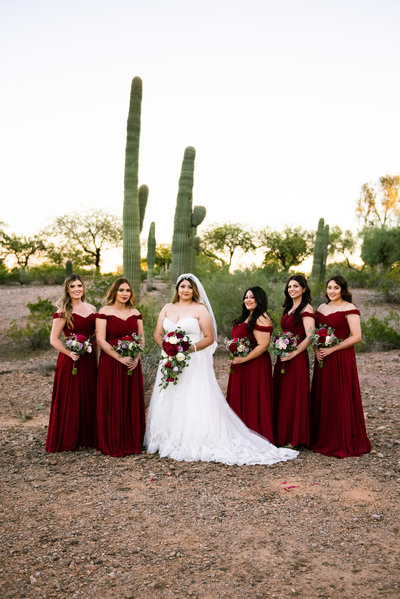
[35,334]
[380,335]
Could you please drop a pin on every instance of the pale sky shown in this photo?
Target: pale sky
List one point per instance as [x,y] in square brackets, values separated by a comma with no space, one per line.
[291,106]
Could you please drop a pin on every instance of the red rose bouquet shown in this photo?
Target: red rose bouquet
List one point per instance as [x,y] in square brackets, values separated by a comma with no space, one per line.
[129,346]
[324,337]
[79,344]
[174,356]
[283,344]
[237,348]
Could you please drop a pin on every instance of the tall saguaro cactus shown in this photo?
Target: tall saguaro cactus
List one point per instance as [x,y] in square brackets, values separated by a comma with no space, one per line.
[151,255]
[186,220]
[143,197]
[320,252]
[131,212]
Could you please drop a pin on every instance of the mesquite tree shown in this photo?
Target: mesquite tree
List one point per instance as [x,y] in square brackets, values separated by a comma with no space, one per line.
[131,212]
[186,219]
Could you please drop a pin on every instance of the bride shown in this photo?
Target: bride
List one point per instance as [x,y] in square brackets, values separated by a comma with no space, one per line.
[192,421]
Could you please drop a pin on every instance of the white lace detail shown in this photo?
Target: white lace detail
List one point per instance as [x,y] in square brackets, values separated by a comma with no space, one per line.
[192,421]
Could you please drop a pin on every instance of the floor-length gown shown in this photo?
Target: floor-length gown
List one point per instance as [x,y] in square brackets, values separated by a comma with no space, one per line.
[249,392]
[120,396]
[337,418]
[191,421]
[292,390]
[73,404]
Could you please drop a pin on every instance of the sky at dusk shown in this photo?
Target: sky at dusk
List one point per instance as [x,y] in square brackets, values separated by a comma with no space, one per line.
[291,107]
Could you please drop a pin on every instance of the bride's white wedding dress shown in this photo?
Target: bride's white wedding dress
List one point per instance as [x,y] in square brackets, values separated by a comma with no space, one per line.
[192,421]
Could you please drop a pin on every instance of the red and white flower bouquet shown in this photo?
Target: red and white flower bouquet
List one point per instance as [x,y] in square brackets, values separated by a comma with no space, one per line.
[174,356]
[129,346]
[79,344]
[324,337]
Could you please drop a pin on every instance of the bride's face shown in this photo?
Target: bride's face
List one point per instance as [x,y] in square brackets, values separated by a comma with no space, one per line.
[185,290]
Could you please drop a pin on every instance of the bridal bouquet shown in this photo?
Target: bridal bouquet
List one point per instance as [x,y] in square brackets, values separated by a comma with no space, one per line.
[324,337]
[174,356]
[79,344]
[283,344]
[237,348]
[129,346]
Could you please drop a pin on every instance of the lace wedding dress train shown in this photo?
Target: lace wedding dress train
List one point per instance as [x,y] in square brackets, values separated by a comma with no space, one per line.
[191,421]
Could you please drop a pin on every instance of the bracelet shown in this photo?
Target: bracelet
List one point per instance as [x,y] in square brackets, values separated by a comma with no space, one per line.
[194,347]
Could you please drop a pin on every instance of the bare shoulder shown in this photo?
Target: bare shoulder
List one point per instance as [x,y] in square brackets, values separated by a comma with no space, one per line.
[321,308]
[91,307]
[135,312]
[308,308]
[350,306]
[105,310]
[264,320]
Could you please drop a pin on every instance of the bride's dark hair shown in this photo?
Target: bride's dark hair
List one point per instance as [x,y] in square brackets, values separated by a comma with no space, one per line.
[196,294]
[261,309]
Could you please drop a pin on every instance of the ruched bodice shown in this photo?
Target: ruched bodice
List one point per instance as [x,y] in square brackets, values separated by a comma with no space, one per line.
[337,320]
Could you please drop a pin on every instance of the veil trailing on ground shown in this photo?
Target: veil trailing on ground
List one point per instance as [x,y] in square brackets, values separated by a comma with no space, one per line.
[204,300]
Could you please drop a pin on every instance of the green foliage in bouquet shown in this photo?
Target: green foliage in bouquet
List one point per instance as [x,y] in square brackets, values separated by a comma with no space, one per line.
[35,334]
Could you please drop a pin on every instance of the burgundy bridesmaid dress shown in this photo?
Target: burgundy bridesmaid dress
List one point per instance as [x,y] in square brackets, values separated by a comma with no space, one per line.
[249,391]
[292,390]
[73,405]
[337,418]
[120,413]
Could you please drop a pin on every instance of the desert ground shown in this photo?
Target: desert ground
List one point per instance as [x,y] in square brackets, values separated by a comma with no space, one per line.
[87,526]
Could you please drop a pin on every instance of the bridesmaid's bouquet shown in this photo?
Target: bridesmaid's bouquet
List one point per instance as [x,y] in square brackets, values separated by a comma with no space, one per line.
[129,346]
[174,356]
[237,348]
[324,337]
[79,344]
[283,344]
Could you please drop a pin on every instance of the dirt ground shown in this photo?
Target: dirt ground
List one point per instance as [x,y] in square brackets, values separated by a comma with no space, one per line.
[83,525]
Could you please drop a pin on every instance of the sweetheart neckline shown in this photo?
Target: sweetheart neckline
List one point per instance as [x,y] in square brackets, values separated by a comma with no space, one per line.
[179,319]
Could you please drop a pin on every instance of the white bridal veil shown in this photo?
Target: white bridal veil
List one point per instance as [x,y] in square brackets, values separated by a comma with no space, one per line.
[204,300]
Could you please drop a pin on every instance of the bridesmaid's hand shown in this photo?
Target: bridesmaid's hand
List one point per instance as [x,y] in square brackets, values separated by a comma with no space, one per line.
[239,360]
[289,356]
[326,351]
[74,356]
[318,354]
[127,361]
[135,362]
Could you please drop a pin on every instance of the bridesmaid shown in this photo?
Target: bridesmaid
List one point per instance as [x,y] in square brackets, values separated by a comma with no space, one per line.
[291,388]
[120,397]
[250,384]
[337,418]
[73,405]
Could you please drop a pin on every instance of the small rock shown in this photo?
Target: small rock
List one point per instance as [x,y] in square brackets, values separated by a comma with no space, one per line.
[112,574]
[32,579]
[381,409]
[376,516]
[381,455]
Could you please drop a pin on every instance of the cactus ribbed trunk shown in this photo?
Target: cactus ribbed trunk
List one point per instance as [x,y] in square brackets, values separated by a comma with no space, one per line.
[186,221]
[318,250]
[131,212]
[151,255]
[143,197]
[68,268]
[182,238]
[325,243]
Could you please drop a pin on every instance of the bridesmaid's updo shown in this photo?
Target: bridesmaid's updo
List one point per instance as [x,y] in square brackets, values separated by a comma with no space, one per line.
[196,294]
[111,295]
[64,304]
[341,281]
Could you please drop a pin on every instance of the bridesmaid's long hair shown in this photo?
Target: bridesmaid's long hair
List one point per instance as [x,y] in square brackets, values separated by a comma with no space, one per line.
[306,297]
[196,294]
[111,294]
[341,281]
[261,309]
[64,304]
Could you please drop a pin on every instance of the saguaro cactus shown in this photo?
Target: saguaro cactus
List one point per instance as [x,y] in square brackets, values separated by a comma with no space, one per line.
[186,220]
[318,245]
[143,197]
[131,212]
[198,215]
[68,268]
[325,243]
[151,255]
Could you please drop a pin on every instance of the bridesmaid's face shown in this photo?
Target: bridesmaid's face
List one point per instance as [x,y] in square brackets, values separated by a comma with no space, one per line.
[249,301]
[123,293]
[185,290]
[333,291]
[295,290]
[75,289]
